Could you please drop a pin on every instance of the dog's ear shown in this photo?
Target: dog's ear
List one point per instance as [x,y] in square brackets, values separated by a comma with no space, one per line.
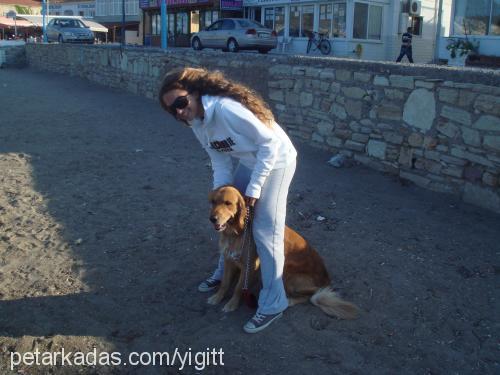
[242,212]
[211,195]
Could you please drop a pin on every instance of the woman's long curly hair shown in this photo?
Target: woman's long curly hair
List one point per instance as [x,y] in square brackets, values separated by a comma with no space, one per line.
[214,83]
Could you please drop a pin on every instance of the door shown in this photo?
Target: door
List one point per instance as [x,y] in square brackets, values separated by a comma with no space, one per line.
[209,37]
[225,33]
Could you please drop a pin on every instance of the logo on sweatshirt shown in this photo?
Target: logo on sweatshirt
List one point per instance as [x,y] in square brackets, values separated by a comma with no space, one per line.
[223,146]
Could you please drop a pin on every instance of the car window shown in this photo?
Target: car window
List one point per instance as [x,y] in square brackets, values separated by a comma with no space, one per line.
[215,26]
[227,25]
[70,23]
[249,23]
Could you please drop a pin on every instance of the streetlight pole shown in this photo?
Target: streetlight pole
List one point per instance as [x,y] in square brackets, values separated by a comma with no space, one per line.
[164,24]
[123,23]
[44,21]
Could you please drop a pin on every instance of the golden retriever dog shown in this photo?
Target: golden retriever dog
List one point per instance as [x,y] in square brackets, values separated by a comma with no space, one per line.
[304,275]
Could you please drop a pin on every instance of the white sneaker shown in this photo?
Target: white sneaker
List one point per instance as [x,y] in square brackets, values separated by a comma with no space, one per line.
[260,321]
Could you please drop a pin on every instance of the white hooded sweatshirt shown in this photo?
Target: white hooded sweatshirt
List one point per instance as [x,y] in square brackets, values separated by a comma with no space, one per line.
[229,129]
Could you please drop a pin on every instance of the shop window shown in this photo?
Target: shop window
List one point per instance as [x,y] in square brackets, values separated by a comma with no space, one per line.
[307,22]
[301,20]
[182,23]
[478,17]
[294,21]
[195,21]
[207,18]
[171,25]
[274,18]
[269,18]
[155,24]
[367,21]
[332,19]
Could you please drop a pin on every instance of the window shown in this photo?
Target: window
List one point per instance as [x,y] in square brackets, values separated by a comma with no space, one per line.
[227,25]
[182,23]
[478,17]
[294,21]
[332,19]
[207,18]
[249,23]
[216,26]
[269,18]
[416,25]
[495,18]
[301,20]
[367,21]
[155,24]
[171,25]
[306,26]
[274,18]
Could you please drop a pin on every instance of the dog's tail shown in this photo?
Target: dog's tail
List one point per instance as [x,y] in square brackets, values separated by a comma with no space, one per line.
[331,304]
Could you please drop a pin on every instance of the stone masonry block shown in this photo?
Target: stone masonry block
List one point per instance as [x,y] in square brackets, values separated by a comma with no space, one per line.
[406,82]
[457,115]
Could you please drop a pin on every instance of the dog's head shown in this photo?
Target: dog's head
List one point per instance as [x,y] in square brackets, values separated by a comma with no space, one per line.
[228,209]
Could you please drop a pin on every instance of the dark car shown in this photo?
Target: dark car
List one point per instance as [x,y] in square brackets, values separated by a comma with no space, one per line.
[69,30]
[234,34]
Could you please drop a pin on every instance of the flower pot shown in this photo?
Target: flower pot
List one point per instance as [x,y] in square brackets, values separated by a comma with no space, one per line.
[458,60]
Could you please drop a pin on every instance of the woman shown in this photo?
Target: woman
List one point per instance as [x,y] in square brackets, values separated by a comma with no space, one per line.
[231,121]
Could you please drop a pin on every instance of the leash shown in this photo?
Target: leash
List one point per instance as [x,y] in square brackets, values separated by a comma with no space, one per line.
[249,298]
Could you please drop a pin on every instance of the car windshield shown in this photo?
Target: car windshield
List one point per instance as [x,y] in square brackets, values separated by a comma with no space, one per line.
[249,23]
[71,23]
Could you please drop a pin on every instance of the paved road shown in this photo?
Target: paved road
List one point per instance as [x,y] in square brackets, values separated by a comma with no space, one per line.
[104,237]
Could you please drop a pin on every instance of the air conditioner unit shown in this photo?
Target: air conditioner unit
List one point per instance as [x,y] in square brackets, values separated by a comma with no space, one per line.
[404,22]
[415,7]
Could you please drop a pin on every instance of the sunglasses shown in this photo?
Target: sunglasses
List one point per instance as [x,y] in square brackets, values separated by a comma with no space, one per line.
[180,102]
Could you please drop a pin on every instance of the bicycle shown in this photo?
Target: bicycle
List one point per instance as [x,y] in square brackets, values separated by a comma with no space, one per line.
[319,41]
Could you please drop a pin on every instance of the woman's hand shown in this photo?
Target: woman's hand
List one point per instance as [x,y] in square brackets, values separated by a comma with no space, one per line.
[250,201]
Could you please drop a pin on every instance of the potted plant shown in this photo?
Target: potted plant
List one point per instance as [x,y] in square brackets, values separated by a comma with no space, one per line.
[358,51]
[460,49]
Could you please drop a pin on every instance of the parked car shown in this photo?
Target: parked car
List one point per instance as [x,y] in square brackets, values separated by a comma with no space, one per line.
[69,30]
[234,34]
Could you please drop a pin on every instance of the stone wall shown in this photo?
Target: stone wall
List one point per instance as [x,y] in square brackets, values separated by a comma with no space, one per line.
[438,127]
[12,56]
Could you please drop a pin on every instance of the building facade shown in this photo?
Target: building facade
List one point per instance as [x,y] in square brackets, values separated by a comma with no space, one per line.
[184,17]
[478,20]
[72,8]
[110,13]
[368,29]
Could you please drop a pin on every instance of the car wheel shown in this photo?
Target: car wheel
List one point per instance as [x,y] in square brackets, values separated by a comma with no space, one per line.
[232,45]
[263,50]
[197,44]
[60,39]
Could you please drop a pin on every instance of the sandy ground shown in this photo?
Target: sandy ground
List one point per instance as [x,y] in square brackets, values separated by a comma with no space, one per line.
[104,236]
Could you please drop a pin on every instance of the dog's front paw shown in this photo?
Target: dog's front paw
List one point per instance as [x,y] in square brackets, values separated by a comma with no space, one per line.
[231,306]
[215,299]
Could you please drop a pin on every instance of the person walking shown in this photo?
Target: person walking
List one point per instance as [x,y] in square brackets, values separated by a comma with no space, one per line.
[233,122]
[406,49]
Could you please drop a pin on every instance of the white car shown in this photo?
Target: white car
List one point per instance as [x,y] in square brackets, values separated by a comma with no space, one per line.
[234,34]
[69,30]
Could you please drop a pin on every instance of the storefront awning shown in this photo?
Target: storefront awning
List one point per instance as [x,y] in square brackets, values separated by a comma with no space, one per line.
[9,22]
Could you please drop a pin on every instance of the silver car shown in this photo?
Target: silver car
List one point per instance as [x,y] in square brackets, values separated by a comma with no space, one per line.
[234,34]
[69,30]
